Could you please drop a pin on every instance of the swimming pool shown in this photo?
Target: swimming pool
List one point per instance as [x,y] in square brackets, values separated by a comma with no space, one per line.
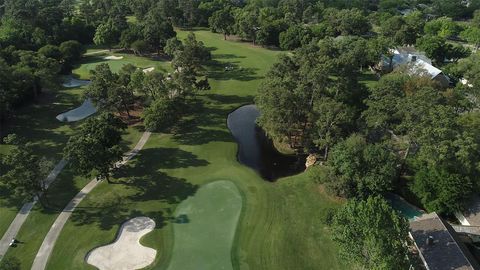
[406,209]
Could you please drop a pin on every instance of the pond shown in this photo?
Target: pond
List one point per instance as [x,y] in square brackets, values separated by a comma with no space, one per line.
[256,151]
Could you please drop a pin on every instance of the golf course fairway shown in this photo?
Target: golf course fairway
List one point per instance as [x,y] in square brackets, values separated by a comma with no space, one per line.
[205,228]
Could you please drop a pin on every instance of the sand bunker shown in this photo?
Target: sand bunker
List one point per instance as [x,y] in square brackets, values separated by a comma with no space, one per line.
[126,252]
[113,57]
[77,114]
[147,70]
[205,226]
[71,82]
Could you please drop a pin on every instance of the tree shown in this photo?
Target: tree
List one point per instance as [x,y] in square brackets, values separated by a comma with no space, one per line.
[154,85]
[100,91]
[451,8]
[107,34]
[41,70]
[173,45]
[332,120]
[383,102]
[472,35]
[110,91]
[399,31]
[26,172]
[347,21]
[96,148]
[370,233]
[222,21]
[295,83]
[281,106]
[51,51]
[294,37]
[161,114]
[125,91]
[156,31]
[72,52]
[442,191]
[8,94]
[191,56]
[469,69]
[434,47]
[365,168]
[130,35]
[443,27]
[476,18]
[247,23]
[139,47]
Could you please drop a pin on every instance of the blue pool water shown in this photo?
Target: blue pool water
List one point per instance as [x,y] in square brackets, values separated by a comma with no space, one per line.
[406,209]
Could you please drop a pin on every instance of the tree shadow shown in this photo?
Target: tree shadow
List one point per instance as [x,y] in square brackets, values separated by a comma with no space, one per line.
[227,56]
[161,158]
[144,183]
[207,119]
[158,187]
[230,99]
[231,70]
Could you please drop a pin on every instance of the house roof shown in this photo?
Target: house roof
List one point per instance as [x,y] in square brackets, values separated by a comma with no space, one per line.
[419,62]
[444,251]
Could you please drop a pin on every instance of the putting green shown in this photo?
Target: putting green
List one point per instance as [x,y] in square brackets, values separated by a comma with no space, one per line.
[205,228]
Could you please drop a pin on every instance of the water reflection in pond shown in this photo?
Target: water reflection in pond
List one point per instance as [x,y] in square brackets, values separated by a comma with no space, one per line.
[255,150]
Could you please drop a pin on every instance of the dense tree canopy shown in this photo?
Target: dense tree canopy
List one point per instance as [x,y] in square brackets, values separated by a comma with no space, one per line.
[362,169]
[25,172]
[371,234]
[95,149]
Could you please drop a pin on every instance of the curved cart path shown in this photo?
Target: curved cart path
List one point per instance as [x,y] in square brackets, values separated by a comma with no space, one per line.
[48,244]
[22,215]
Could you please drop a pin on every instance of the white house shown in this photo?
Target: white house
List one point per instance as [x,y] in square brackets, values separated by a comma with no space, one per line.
[416,62]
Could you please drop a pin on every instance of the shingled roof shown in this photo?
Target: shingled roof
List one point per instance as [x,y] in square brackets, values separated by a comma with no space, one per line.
[439,246]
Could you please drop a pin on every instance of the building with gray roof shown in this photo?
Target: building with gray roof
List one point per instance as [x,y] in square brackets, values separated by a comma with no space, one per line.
[439,246]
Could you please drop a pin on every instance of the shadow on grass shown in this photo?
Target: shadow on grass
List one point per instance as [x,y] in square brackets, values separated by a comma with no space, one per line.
[231,70]
[37,122]
[210,111]
[143,185]
[227,56]
[155,188]
[9,200]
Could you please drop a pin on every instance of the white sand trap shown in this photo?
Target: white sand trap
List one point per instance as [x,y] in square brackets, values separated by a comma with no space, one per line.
[72,82]
[126,253]
[77,114]
[147,70]
[113,57]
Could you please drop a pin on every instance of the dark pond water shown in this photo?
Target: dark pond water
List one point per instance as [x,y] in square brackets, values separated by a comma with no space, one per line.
[256,151]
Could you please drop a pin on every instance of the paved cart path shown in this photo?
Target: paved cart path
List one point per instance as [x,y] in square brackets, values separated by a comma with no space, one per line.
[48,244]
[22,215]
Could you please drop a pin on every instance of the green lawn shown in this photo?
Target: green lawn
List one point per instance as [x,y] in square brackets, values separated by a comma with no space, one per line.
[37,124]
[209,216]
[281,224]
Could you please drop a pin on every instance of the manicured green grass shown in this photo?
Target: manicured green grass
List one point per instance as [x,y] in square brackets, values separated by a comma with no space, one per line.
[209,216]
[37,124]
[91,61]
[60,193]
[281,225]
[8,210]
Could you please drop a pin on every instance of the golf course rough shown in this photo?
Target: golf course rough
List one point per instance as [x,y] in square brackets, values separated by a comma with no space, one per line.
[205,226]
